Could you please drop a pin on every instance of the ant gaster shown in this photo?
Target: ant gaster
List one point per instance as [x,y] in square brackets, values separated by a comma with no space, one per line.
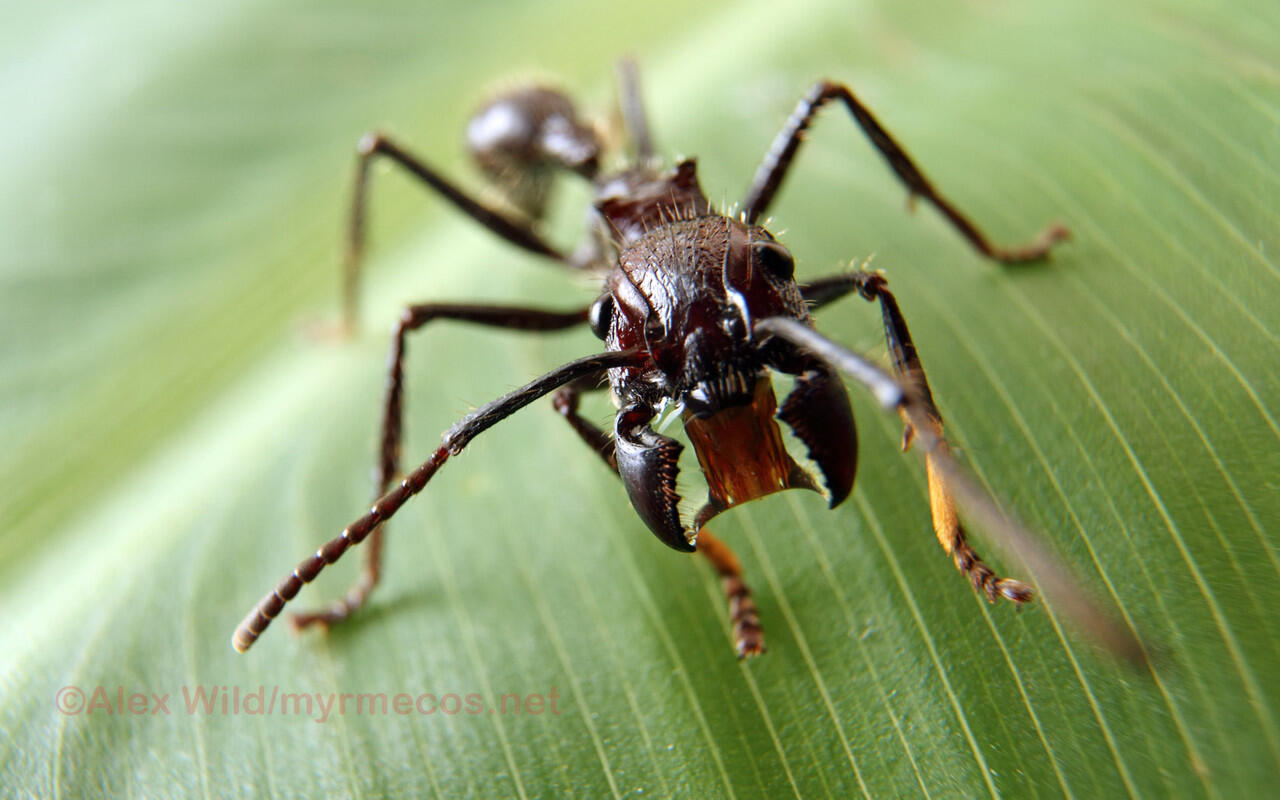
[698,308]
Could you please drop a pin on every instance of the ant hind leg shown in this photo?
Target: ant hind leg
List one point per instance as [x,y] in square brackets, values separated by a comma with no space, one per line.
[373,145]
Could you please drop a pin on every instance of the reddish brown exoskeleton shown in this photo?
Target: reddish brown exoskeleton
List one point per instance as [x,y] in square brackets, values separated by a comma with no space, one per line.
[697,311]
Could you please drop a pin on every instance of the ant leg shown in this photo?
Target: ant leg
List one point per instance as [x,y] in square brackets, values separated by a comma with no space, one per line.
[1054,581]
[778,160]
[906,364]
[374,144]
[748,636]
[920,412]
[946,522]
[565,401]
[633,116]
[414,317]
[453,442]
[827,290]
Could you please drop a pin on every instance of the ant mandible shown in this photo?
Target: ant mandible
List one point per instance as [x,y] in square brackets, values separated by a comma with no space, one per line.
[697,309]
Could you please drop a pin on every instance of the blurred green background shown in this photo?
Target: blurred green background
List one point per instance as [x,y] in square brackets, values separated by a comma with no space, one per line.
[174,183]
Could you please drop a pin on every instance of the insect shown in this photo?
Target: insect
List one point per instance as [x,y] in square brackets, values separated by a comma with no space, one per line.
[697,310]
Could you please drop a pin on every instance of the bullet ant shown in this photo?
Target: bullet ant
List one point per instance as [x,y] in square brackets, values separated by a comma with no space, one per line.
[697,309]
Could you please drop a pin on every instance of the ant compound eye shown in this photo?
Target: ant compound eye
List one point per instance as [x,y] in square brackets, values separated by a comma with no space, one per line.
[774,259]
[600,315]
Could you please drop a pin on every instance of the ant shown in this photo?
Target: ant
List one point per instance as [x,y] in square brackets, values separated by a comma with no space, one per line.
[697,309]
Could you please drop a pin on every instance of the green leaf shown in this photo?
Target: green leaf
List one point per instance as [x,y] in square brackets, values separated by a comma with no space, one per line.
[177,178]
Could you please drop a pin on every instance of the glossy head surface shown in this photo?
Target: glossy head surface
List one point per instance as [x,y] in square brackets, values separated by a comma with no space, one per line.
[688,292]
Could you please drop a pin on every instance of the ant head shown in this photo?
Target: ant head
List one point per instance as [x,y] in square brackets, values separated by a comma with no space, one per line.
[689,292]
[522,137]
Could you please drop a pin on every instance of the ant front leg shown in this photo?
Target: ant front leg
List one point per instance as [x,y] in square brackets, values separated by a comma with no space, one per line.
[906,363]
[566,400]
[748,635]
[414,317]
[452,442]
[1055,582]
[373,145]
[778,161]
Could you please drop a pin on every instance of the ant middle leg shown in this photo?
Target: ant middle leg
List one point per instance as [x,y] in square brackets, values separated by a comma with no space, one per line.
[777,162]
[748,635]
[906,363]
[413,318]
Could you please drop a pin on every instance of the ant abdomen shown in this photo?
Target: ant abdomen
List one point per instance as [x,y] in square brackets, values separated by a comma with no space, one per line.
[521,138]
